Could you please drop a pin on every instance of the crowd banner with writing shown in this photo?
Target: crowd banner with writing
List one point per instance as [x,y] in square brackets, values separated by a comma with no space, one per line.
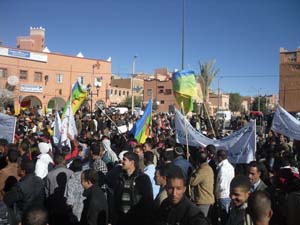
[241,145]
[284,123]
[7,127]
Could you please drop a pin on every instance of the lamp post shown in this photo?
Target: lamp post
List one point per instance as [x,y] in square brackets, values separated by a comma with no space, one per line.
[132,96]
[89,90]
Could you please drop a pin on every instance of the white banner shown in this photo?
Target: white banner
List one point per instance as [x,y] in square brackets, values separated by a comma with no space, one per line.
[284,123]
[7,127]
[241,145]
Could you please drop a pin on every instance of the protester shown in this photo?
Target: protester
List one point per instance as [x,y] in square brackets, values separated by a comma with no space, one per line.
[161,172]
[202,181]
[239,194]
[259,208]
[255,170]
[95,210]
[133,194]
[150,171]
[28,193]
[177,208]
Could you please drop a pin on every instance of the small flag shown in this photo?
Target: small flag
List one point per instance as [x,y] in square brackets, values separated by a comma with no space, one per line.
[142,128]
[68,127]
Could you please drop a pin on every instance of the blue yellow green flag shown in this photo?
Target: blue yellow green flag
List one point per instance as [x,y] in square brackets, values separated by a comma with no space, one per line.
[185,88]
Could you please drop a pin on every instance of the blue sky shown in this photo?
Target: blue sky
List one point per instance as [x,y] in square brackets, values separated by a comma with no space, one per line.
[243,37]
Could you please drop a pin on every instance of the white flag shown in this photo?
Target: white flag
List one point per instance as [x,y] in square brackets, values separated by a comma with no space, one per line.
[57,129]
[241,145]
[68,127]
[284,123]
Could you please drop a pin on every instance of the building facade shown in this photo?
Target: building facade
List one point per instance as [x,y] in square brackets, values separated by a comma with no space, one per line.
[218,101]
[289,83]
[44,79]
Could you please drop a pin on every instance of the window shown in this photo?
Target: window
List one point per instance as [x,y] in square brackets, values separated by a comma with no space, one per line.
[23,74]
[59,78]
[38,76]
[168,91]
[160,89]
[123,92]
[116,92]
[127,93]
[292,57]
[120,93]
[295,67]
[162,102]
[111,91]
[149,92]
[3,72]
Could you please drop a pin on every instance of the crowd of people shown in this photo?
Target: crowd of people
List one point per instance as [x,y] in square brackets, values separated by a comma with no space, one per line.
[107,177]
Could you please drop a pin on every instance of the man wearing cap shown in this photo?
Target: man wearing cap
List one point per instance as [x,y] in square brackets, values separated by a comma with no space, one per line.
[133,194]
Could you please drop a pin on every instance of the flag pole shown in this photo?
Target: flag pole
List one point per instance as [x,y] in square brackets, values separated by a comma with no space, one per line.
[110,120]
[186,133]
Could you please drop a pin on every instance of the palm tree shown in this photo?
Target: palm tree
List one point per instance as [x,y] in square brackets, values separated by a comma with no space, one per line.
[206,76]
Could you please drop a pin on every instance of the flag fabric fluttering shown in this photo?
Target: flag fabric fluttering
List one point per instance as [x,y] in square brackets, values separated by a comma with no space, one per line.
[57,129]
[77,97]
[185,88]
[142,128]
[68,127]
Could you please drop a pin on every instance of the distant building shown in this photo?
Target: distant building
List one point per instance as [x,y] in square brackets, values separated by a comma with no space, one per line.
[271,102]
[289,83]
[121,89]
[218,102]
[37,77]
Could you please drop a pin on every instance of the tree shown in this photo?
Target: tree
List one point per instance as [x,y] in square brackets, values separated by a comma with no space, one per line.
[206,77]
[137,101]
[235,102]
[262,103]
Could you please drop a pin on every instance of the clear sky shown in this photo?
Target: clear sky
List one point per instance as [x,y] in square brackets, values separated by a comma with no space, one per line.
[243,36]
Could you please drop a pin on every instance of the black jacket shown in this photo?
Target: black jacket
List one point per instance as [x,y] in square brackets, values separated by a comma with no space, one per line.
[184,213]
[95,210]
[28,193]
[141,196]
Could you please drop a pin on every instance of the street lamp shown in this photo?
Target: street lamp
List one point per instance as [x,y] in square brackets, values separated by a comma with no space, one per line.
[133,71]
[89,90]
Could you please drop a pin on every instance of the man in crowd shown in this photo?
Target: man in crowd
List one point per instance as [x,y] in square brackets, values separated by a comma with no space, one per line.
[259,208]
[28,193]
[181,162]
[239,194]
[10,170]
[202,181]
[133,194]
[255,170]
[225,173]
[56,181]
[95,210]
[161,180]
[177,208]
[138,149]
[150,171]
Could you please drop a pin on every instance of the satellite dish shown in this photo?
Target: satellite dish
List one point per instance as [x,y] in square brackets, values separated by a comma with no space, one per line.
[12,81]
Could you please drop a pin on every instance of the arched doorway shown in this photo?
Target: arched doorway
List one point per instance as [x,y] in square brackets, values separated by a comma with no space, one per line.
[30,101]
[56,103]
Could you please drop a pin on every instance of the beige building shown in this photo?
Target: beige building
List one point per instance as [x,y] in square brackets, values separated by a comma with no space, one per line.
[120,89]
[37,77]
[218,102]
[289,83]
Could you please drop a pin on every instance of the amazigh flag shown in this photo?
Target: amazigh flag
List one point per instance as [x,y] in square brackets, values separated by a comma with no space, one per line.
[142,128]
[184,87]
[78,95]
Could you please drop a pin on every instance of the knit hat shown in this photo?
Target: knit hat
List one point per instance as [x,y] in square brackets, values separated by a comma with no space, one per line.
[44,147]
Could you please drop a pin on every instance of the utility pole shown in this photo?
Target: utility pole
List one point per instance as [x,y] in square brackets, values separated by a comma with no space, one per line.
[132,77]
[182,49]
